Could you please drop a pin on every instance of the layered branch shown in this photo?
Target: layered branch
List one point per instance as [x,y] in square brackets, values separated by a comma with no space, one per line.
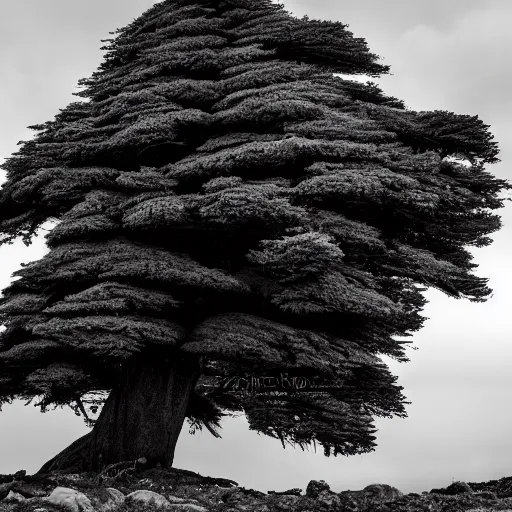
[220,192]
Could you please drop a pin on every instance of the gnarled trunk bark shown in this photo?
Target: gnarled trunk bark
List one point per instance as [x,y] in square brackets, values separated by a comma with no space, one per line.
[142,417]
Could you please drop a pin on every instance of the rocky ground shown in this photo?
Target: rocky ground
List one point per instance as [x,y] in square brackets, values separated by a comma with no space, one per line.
[128,487]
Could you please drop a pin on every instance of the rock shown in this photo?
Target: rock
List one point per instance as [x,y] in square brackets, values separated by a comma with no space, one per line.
[315,487]
[238,499]
[14,496]
[114,500]
[185,504]
[370,496]
[26,494]
[329,498]
[72,499]
[380,493]
[20,475]
[187,507]
[117,495]
[144,496]
[457,488]
[5,489]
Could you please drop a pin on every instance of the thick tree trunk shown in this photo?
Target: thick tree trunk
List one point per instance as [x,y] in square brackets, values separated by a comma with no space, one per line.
[142,417]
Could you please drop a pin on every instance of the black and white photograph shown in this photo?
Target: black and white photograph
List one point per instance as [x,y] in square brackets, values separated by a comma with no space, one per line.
[255,256]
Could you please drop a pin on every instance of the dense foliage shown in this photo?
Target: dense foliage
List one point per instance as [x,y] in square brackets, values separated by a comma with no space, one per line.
[219,192]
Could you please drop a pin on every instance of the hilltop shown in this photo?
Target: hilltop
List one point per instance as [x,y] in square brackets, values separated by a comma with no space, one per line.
[129,487]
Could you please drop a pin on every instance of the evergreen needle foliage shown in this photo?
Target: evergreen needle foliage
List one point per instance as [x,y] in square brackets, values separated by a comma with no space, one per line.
[221,193]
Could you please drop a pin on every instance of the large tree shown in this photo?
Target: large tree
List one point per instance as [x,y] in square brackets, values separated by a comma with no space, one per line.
[238,229]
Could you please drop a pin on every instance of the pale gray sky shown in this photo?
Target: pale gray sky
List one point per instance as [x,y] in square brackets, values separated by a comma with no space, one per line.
[445,55]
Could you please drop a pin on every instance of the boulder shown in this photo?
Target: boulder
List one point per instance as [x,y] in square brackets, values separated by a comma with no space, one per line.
[315,487]
[380,493]
[14,496]
[457,488]
[114,499]
[5,489]
[370,496]
[453,489]
[146,497]
[187,507]
[20,475]
[72,499]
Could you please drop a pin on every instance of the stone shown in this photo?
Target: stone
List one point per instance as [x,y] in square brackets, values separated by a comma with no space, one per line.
[370,496]
[144,496]
[73,500]
[114,500]
[20,475]
[380,493]
[187,507]
[315,487]
[5,489]
[14,496]
[457,488]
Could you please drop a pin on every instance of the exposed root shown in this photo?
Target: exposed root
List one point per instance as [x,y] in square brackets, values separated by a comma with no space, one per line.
[73,459]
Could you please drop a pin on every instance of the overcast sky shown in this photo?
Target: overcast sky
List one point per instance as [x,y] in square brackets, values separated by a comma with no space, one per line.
[444,55]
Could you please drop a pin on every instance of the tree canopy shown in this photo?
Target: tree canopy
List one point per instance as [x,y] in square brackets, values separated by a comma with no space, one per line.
[219,192]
